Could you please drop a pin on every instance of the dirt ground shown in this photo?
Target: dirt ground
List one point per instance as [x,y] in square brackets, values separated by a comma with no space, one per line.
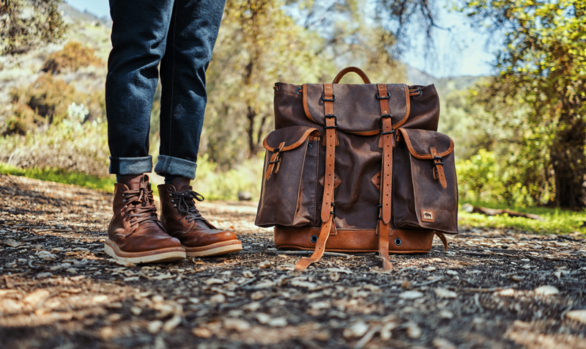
[59,290]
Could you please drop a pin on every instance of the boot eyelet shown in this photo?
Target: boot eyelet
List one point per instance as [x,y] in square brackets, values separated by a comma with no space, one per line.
[175,206]
[170,195]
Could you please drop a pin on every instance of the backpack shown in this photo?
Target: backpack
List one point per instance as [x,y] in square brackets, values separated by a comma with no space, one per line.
[357,168]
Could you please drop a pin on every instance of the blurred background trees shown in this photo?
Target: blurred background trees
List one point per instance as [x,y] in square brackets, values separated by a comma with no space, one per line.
[519,133]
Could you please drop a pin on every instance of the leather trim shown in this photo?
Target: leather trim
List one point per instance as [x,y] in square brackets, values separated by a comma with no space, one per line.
[424,156]
[292,146]
[354,240]
[305,107]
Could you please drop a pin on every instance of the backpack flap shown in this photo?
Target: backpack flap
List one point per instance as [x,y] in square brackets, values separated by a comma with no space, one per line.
[289,182]
[428,195]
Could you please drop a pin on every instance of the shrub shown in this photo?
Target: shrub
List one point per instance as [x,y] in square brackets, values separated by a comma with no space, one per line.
[72,57]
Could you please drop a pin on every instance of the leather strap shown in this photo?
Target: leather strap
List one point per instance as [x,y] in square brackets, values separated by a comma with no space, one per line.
[438,168]
[327,208]
[274,162]
[442,237]
[386,182]
[347,70]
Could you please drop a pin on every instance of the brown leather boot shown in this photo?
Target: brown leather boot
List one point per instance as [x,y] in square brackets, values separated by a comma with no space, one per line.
[182,220]
[135,234]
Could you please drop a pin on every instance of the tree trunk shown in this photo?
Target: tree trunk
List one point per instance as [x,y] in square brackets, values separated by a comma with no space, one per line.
[569,163]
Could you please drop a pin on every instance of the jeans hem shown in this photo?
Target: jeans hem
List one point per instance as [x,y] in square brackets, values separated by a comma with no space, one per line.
[174,166]
[128,166]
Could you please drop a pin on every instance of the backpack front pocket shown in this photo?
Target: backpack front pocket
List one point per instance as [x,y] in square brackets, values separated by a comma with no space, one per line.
[289,185]
[425,190]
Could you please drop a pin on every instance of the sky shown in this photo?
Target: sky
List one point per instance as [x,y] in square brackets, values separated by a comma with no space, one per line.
[458,51]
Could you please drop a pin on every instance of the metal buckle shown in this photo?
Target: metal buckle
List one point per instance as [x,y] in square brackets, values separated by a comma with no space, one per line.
[388,96]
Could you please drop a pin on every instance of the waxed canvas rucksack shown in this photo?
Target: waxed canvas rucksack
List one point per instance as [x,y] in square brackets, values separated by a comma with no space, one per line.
[357,168]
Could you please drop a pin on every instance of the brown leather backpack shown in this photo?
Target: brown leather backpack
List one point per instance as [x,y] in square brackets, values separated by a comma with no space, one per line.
[358,168]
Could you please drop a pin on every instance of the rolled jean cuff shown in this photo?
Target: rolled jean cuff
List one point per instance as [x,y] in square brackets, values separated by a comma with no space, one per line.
[134,165]
[170,165]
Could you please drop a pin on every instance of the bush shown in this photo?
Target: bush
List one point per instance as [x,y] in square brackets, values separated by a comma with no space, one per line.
[71,58]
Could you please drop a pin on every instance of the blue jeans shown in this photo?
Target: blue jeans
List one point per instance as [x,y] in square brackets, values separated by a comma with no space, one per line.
[180,36]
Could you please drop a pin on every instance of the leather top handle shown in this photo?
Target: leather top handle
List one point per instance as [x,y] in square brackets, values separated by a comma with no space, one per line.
[351,70]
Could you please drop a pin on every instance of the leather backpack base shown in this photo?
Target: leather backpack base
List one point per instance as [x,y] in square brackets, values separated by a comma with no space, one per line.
[355,241]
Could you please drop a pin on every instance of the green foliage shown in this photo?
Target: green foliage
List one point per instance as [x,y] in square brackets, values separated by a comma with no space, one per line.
[538,101]
[555,220]
[72,57]
[215,184]
[61,176]
[25,24]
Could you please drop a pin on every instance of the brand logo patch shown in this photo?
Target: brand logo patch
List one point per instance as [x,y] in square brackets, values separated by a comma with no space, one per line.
[427,216]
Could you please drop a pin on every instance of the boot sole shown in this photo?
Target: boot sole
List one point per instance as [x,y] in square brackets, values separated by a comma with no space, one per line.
[215,249]
[169,254]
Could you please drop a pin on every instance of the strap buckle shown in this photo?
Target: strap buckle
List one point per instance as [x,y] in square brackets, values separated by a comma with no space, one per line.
[379,97]
[331,116]
[324,99]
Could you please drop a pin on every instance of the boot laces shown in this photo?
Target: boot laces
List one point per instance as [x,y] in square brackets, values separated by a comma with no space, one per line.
[185,203]
[140,206]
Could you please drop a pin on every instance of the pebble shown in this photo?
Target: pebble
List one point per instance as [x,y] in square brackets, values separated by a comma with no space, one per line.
[546,290]
[445,293]
[172,323]
[247,274]
[277,322]
[446,314]
[154,326]
[46,256]
[442,343]
[451,272]
[411,295]
[218,298]
[44,275]
[357,329]
[577,315]
[201,332]
[506,292]
[264,264]
[214,281]
[263,318]
[386,330]
[236,325]
[413,331]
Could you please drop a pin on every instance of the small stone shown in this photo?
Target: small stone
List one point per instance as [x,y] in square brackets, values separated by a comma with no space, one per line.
[446,314]
[516,278]
[214,281]
[411,295]
[253,306]
[386,331]
[264,264]
[357,329]
[442,343]
[546,290]
[201,332]
[99,299]
[172,323]
[262,318]
[413,331]
[46,256]
[244,196]
[247,274]
[278,322]
[577,315]
[154,326]
[257,295]
[44,275]
[135,310]
[11,243]
[236,325]
[218,298]
[445,293]
[451,272]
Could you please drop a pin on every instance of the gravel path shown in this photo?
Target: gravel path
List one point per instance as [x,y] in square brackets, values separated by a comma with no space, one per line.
[58,289]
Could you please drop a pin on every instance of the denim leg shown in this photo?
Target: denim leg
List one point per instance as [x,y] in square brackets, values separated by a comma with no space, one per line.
[192,35]
[139,38]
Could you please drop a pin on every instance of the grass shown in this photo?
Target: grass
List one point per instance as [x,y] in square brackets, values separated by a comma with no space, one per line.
[61,176]
[555,220]
[225,186]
